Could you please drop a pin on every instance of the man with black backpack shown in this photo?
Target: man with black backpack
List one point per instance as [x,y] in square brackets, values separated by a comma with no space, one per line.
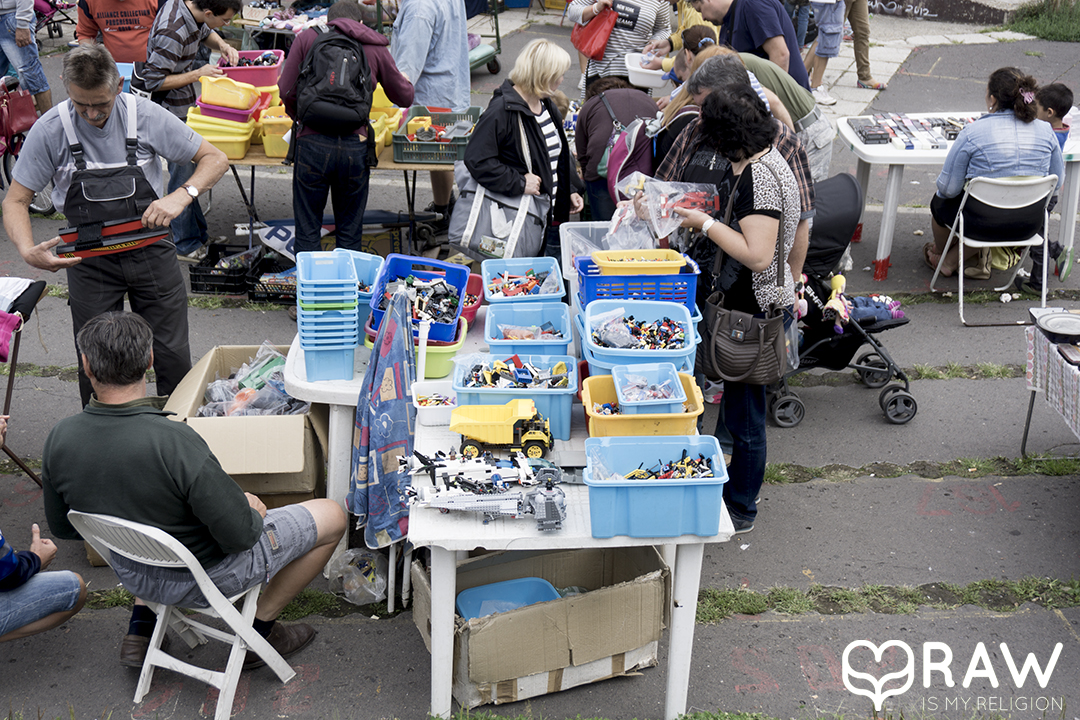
[326,85]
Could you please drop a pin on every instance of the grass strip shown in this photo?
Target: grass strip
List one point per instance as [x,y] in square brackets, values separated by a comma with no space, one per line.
[1057,20]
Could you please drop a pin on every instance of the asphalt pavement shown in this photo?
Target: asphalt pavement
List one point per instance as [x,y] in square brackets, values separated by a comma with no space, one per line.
[917,530]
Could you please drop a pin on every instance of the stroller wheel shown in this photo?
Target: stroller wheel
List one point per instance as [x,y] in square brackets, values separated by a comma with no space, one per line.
[872,370]
[787,410]
[899,405]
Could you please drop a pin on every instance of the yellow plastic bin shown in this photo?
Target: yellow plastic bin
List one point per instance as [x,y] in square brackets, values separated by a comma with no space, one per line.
[226,92]
[600,389]
[275,93]
[235,148]
[638,262]
[275,124]
[217,126]
[393,115]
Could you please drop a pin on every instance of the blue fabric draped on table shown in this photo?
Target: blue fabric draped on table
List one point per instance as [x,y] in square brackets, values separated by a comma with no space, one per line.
[385,422]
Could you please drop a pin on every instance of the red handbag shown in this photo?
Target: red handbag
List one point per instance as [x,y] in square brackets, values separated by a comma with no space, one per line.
[17,112]
[592,39]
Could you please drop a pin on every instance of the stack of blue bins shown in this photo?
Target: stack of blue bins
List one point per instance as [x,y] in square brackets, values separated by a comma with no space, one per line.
[327,302]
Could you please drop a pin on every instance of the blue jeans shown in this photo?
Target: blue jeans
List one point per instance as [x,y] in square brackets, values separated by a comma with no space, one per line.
[334,166]
[800,17]
[42,595]
[25,60]
[188,229]
[601,206]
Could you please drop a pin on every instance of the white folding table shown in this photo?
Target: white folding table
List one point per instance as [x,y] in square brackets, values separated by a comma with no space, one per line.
[449,533]
[896,159]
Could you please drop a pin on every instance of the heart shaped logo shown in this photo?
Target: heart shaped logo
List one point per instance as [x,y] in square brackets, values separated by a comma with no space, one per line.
[878,694]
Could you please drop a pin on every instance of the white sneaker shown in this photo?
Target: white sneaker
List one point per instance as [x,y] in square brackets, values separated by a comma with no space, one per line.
[822,96]
[581,83]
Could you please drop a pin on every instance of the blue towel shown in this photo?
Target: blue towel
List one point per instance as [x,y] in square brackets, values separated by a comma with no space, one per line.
[385,422]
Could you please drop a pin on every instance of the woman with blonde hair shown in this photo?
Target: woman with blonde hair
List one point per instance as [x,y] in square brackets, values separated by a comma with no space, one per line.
[522,115]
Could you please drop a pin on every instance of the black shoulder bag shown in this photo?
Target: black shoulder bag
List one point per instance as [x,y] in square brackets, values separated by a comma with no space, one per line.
[739,347]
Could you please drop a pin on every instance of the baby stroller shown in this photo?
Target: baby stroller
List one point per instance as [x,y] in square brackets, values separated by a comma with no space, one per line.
[839,205]
[46,11]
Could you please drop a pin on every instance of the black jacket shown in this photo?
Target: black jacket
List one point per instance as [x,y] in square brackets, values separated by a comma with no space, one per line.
[494,156]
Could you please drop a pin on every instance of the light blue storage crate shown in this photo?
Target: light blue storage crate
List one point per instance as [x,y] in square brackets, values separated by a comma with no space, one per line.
[367,267]
[504,596]
[654,374]
[696,318]
[553,403]
[490,269]
[653,508]
[330,364]
[648,311]
[602,366]
[528,314]
[329,342]
[327,270]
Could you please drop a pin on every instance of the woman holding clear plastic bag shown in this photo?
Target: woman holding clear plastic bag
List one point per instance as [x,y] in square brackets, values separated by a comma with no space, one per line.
[517,154]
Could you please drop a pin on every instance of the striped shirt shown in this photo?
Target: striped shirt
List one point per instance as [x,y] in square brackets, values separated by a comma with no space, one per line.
[554,146]
[172,49]
[640,21]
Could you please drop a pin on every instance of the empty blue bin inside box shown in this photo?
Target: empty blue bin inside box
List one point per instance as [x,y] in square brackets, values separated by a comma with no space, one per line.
[490,269]
[397,267]
[504,596]
[553,403]
[653,508]
[556,314]
[603,366]
[654,375]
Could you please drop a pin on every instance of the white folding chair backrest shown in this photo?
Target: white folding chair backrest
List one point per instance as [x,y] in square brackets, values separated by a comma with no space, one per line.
[153,546]
[1011,193]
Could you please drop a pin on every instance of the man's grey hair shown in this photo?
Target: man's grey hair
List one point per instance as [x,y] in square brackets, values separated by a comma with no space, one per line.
[717,72]
[90,67]
[117,346]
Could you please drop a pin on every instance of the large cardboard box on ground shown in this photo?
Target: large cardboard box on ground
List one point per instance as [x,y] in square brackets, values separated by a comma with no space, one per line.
[280,458]
[611,630]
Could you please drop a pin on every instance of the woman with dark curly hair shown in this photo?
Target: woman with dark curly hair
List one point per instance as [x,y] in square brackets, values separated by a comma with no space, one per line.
[745,166]
[1004,143]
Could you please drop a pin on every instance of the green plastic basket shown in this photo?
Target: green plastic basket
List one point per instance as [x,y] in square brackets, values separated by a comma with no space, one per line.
[442,153]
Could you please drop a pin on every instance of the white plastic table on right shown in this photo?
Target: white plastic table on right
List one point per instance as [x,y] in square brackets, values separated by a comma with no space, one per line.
[896,159]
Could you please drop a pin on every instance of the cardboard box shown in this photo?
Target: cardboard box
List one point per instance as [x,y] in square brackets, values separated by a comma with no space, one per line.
[611,630]
[266,455]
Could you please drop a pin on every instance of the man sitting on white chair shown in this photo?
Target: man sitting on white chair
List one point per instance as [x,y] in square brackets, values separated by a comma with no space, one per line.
[123,456]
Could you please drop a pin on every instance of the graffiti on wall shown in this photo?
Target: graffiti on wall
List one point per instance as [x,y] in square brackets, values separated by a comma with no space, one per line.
[891,7]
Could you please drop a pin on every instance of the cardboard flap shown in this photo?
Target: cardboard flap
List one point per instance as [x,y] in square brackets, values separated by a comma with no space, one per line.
[609,620]
[523,642]
[258,444]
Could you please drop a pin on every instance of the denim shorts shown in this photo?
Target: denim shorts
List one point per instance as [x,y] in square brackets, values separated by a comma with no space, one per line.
[288,533]
[40,596]
[830,22]
[24,59]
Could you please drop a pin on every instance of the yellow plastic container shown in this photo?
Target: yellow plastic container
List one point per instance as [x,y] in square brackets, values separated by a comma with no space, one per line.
[393,115]
[379,99]
[275,94]
[275,146]
[226,92]
[236,148]
[601,389]
[638,262]
[256,134]
[421,121]
[204,124]
[275,123]
[378,125]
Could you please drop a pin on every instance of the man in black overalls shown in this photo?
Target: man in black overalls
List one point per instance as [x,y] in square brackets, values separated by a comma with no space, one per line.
[105,166]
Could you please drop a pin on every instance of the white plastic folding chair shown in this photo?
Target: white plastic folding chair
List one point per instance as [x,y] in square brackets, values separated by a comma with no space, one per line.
[151,546]
[1008,194]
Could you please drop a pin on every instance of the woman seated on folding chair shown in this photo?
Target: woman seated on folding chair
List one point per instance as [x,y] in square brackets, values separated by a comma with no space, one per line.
[1007,142]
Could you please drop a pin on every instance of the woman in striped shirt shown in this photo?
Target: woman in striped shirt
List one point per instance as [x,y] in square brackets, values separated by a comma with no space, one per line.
[640,22]
[523,104]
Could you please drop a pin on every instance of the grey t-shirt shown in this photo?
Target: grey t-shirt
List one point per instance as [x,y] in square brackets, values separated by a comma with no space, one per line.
[45,154]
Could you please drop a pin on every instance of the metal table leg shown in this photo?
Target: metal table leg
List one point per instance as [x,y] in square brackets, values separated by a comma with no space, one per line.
[1027,424]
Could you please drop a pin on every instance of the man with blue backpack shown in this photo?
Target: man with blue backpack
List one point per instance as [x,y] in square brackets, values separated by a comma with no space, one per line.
[326,84]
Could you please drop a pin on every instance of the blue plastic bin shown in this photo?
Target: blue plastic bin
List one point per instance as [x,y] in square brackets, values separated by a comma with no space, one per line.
[329,364]
[528,314]
[553,403]
[126,69]
[654,374]
[680,288]
[326,271]
[401,266]
[598,366]
[647,310]
[490,269]
[504,596]
[367,269]
[653,508]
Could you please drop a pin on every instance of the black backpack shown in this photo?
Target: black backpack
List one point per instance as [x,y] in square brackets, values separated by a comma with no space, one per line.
[334,87]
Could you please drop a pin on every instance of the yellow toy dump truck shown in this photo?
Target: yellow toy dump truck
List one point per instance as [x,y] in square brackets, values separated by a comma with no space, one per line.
[515,426]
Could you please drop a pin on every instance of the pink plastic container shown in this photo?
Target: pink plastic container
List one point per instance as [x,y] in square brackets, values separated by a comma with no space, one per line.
[224,113]
[257,76]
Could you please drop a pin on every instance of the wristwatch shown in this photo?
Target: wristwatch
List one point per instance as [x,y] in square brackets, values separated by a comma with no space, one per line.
[706,225]
[192,191]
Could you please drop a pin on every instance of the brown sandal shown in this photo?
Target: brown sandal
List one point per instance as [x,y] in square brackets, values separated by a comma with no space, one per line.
[926,250]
